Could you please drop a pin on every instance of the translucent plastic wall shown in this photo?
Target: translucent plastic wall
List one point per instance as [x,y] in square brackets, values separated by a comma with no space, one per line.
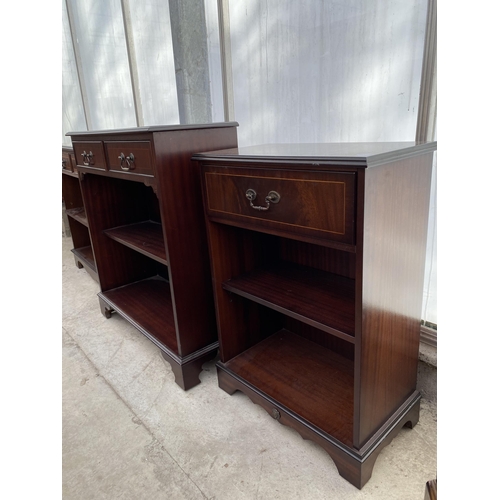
[110,48]
[327,71]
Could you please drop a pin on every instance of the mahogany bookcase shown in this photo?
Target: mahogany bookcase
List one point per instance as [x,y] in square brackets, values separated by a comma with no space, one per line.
[317,257]
[142,199]
[75,211]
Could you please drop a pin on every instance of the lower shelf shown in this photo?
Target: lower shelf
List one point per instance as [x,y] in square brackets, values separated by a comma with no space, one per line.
[311,381]
[79,215]
[355,465]
[144,237]
[147,305]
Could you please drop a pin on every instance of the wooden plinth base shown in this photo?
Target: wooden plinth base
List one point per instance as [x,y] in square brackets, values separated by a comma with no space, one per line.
[354,465]
[187,370]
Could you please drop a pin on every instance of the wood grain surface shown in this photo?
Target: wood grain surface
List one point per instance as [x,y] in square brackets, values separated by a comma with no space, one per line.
[315,383]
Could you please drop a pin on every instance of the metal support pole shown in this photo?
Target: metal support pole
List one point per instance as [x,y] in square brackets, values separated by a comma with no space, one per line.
[226,60]
[132,62]
[79,68]
[189,41]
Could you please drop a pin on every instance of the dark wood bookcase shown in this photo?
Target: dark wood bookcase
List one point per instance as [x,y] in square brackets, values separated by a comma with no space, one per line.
[317,257]
[142,198]
[77,217]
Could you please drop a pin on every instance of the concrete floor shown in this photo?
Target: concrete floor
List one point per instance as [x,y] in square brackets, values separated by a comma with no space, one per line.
[129,432]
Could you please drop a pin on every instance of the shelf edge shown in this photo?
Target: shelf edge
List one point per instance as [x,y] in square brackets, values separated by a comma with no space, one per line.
[161,260]
[309,321]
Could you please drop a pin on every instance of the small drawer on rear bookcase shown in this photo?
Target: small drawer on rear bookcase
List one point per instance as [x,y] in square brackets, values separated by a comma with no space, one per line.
[90,154]
[132,157]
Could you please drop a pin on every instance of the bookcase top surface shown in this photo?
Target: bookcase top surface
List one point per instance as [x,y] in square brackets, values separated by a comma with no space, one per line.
[152,128]
[356,153]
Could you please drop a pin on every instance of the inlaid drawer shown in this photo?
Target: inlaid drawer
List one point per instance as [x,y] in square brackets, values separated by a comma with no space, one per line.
[133,157]
[90,154]
[316,204]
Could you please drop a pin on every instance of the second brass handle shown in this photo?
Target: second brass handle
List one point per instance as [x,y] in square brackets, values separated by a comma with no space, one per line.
[272,197]
[88,158]
[126,162]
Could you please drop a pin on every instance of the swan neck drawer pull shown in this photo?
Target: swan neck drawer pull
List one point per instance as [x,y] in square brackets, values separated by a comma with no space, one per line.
[272,197]
[126,162]
[88,158]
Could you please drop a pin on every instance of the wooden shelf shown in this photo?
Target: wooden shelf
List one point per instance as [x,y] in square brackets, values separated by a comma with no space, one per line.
[79,215]
[147,305]
[86,256]
[70,174]
[321,299]
[314,382]
[144,237]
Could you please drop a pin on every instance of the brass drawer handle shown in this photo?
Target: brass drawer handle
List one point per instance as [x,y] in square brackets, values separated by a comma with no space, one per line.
[88,158]
[126,162]
[64,164]
[272,197]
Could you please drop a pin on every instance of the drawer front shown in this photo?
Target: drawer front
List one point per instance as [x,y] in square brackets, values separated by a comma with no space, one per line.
[66,162]
[315,204]
[90,154]
[133,157]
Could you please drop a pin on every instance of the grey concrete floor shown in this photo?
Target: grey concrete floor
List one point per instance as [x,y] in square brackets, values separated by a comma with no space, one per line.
[129,432]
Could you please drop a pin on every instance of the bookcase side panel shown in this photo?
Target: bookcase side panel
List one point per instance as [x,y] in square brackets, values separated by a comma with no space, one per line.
[184,229]
[396,204]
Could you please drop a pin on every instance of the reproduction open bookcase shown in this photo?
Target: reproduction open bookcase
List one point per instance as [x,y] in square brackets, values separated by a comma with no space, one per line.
[142,198]
[77,217]
[317,256]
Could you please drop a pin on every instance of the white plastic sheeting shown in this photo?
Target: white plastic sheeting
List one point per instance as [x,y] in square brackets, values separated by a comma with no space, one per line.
[150,23]
[73,116]
[327,71]
[105,73]
[106,65]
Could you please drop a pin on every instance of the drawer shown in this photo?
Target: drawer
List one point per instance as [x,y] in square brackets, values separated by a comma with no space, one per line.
[90,154]
[66,162]
[318,205]
[133,157]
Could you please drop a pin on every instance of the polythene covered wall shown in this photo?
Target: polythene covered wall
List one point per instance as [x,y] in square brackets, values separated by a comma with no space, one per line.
[327,71]
[73,116]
